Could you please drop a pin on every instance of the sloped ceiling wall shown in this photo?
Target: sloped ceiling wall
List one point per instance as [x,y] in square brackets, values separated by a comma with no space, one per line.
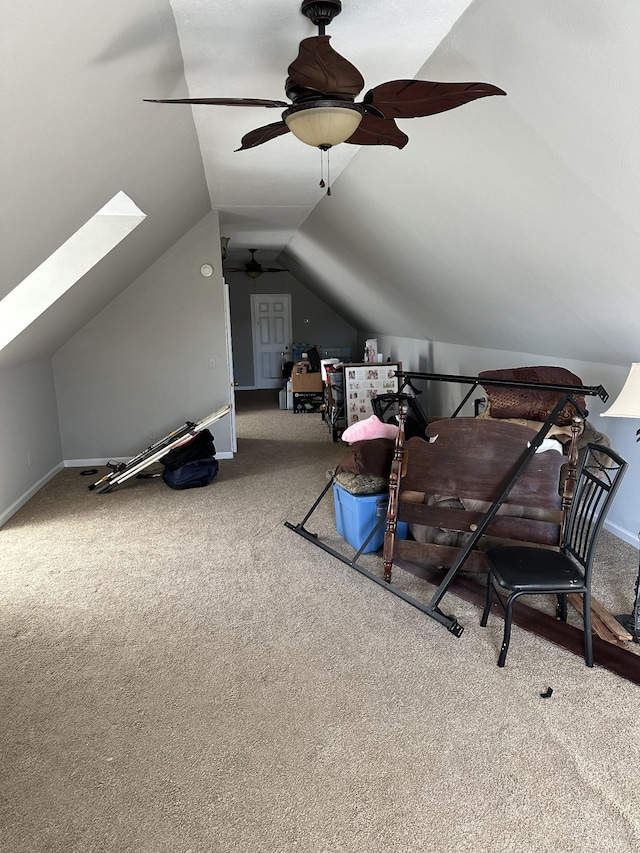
[74,134]
[510,223]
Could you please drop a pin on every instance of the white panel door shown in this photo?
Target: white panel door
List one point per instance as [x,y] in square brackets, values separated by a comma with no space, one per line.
[271,318]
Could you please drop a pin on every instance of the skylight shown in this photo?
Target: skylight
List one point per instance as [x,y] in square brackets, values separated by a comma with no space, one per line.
[66,266]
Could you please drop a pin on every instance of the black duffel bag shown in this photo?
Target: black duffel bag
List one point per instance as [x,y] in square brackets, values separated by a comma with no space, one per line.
[191,475]
[199,447]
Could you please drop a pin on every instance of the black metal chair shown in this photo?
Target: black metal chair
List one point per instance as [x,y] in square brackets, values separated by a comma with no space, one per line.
[527,570]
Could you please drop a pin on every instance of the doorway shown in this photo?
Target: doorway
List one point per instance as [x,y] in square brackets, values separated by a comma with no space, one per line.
[272,332]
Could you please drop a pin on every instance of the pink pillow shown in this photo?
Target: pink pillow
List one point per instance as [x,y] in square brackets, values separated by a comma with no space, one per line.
[372,427]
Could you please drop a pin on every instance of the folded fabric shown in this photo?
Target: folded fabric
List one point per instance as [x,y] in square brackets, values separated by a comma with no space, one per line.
[361,484]
[371,457]
[549,444]
[369,428]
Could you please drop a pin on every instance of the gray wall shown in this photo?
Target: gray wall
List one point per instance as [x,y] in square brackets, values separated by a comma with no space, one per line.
[326,327]
[90,137]
[140,368]
[511,222]
[30,449]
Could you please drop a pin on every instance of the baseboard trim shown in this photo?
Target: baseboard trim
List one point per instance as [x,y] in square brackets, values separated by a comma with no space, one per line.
[93,463]
[281,384]
[16,505]
[622,533]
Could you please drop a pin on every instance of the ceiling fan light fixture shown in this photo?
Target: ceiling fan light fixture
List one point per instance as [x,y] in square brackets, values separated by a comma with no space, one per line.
[321,12]
[323,125]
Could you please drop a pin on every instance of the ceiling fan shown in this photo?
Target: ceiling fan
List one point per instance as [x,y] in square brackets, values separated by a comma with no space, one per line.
[253,268]
[322,86]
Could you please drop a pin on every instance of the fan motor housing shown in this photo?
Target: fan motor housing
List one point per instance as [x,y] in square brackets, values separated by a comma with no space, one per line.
[321,12]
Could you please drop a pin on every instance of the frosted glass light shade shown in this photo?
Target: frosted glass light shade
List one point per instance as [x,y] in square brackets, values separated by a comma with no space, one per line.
[323,126]
[627,403]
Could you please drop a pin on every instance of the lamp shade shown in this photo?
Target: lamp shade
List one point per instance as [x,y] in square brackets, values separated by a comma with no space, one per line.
[323,126]
[627,403]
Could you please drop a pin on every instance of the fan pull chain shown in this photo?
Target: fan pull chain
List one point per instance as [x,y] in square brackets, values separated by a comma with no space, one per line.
[325,150]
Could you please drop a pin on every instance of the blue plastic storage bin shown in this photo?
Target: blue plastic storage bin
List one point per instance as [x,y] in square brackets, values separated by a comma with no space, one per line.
[356,516]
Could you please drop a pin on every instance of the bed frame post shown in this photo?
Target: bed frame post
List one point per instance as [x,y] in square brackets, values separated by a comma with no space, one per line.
[569,485]
[394,490]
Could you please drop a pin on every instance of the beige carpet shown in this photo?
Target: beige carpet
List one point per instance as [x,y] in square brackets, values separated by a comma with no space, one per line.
[180,673]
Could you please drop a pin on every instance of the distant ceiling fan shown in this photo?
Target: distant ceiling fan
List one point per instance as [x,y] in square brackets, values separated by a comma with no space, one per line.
[322,87]
[253,268]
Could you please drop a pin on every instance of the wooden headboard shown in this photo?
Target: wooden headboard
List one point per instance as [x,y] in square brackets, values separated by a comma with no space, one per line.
[471,459]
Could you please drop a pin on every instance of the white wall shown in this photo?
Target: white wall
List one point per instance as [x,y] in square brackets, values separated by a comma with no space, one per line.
[30,449]
[433,357]
[140,368]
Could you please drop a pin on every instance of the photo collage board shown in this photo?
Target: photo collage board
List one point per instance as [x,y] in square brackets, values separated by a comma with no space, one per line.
[362,382]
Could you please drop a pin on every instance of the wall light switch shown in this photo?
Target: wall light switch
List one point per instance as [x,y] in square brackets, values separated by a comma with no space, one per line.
[212,363]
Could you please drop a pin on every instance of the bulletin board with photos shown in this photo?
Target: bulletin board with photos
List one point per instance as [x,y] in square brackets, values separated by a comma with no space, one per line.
[362,382]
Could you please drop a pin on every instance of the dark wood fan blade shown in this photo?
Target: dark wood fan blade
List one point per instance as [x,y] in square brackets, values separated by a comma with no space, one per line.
[263,134]
[414,98]
[221,102]
[318,66]
[378,131]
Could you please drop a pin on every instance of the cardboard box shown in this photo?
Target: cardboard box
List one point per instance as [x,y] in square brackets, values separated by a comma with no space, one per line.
[356,517]
[307,402]
[302,380]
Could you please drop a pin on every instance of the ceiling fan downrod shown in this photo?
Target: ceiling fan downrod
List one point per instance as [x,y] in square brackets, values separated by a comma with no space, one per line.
[321,12]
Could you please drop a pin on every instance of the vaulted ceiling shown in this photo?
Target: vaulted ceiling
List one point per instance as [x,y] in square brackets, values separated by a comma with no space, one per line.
[509,223]
[243,50]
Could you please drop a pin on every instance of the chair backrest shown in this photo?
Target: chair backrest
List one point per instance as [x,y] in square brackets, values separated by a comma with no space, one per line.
[597,481]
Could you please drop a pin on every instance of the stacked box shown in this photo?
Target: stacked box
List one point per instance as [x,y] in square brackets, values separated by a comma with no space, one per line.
[303,380]
[357,515]
[307,402]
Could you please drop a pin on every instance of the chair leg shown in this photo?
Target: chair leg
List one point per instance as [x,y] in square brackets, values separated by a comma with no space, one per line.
[588,638]
[561,609]
[488,600]
[506,637]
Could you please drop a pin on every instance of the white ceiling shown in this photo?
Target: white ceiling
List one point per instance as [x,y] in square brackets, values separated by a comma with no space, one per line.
[243,49]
